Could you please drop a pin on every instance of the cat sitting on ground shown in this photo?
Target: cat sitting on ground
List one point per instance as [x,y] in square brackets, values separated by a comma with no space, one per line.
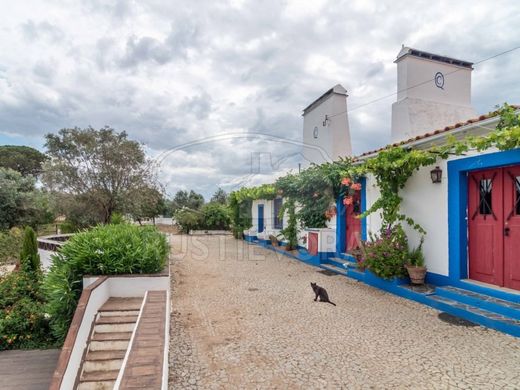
[321,293]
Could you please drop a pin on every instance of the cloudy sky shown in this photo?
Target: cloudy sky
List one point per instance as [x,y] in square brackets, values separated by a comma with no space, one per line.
[208,86]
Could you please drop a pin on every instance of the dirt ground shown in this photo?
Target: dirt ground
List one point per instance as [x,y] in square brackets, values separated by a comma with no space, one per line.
[244,317]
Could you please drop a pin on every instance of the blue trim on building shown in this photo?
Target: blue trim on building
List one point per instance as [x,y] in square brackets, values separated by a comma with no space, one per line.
[341,226]
[260,217]
[363,182]
[458,204]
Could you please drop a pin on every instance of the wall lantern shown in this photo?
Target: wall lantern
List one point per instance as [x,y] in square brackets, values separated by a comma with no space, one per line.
[436,175]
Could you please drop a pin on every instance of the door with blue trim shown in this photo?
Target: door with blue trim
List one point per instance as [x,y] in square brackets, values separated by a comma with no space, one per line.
[260,218]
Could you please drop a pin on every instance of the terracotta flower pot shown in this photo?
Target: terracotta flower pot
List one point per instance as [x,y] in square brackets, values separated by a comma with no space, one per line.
[417,274]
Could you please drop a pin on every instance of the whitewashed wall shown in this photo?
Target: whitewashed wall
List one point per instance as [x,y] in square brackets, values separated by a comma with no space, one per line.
[427,204]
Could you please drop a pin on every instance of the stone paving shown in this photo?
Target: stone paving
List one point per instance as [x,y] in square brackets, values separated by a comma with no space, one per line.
[244,317]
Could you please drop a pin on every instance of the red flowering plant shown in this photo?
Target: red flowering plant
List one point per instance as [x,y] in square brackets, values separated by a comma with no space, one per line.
[348,189]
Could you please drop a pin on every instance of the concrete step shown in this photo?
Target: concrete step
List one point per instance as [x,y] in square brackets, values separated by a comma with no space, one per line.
[112,336]
[108,345]
[106,355]
[98,385]
[119,304]
[113,328]
[99,376]
[102,365]
[120,313]
[475,314]
[116,320]
[496,305]
[333,268]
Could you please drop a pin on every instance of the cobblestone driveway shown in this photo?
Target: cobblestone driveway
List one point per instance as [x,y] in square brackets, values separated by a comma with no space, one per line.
[244,317]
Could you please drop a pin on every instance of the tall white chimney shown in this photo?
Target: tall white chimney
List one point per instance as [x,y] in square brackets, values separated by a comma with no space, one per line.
[326,132]
[433,91]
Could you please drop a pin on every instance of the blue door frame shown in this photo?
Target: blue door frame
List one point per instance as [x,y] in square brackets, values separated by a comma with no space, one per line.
[458,204]
[341,220]
[260,218]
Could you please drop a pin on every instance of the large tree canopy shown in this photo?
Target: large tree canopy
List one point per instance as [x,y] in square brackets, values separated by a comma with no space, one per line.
[101,166]
[23,159]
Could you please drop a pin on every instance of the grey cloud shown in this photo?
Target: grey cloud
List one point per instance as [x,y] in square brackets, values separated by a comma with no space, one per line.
[33,31]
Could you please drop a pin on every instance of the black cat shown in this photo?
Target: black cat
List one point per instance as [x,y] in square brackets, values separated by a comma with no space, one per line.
[321,293]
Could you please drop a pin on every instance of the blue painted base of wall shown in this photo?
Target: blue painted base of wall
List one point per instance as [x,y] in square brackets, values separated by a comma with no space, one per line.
[250,238]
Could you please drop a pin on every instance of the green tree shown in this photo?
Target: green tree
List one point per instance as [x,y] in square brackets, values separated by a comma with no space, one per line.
[185,199]
[100,166]
[23,159]
[220,196]
[29,257]
[188,219]
[20,202]
[145,202]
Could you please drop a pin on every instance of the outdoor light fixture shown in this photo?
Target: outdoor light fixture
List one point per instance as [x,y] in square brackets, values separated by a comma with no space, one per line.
[436,175]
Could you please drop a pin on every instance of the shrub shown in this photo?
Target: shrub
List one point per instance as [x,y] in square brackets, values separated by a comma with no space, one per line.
[68,227]
[386,254]
[117,219]
[10,245]
[29,257]
[188,219]
[215,216]
[23,323]
[104,250]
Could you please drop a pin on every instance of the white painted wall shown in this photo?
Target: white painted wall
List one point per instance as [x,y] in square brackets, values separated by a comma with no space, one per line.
[427,204]
[333,139]
[97,298]
[421,106]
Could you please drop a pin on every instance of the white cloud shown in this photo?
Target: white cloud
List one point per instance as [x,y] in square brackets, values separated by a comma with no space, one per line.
[170,73]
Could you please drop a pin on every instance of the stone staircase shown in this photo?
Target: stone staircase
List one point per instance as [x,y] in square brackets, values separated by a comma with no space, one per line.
[108,343]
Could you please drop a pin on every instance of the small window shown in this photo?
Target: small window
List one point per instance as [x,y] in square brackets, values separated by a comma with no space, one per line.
[278,221]
[517,195]
[486,186]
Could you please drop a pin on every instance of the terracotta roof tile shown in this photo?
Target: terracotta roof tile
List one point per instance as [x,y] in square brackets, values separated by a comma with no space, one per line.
[438,131]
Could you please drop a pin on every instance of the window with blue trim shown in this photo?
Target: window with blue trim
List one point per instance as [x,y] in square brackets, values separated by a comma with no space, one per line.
[278,221]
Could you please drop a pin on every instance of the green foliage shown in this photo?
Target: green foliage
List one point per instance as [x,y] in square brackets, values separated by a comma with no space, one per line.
[290,232]
[117,219]
[185,199]
[29,257]
[188,219]
[10,246]
[240,213]
[215,216]
[100,168]
[416,256]
[220,196]
[23,323]
[145,202]
[104,250]
[20,202]
[68,227]
[23,159]
[386,254]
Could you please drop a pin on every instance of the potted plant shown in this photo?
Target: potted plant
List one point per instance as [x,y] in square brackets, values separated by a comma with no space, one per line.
[415,265]
[274,240]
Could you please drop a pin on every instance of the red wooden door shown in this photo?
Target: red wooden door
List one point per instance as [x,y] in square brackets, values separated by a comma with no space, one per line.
[353,223]
[512,227]
[313,243]
[485,226]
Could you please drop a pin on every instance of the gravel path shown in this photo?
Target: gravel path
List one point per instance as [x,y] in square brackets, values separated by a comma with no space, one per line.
[244,318]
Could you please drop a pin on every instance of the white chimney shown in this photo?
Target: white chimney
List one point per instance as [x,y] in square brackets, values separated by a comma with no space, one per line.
[433,91]
[326,133]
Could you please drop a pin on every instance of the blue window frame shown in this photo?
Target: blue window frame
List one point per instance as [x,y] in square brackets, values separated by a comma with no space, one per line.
[278,221]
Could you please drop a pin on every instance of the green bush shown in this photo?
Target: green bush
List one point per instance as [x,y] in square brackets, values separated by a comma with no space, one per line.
[23,323]
[68,227]
[10,245]
[215,216]
[387,254]
[188,219]
[117,219]
[104,250]
[29,257]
